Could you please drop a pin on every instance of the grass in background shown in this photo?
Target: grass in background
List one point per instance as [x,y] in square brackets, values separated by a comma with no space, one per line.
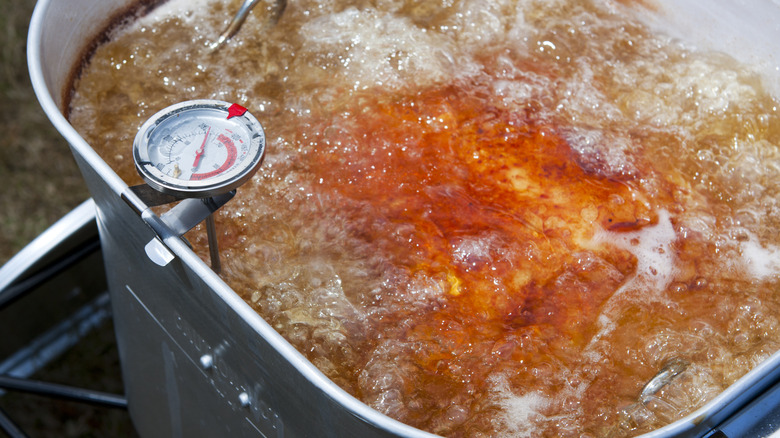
[39,180]
[39,183]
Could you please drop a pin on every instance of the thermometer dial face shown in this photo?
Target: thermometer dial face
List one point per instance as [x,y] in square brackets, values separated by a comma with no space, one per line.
[199,148]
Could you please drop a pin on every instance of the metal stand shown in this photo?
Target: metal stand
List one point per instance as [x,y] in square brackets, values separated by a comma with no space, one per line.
[64,392]
[9,427]
[16,291]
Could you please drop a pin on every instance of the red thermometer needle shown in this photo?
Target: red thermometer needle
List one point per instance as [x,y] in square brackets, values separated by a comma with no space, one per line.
[199,152]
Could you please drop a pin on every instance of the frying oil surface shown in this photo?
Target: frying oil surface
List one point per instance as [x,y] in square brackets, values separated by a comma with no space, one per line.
[482,218]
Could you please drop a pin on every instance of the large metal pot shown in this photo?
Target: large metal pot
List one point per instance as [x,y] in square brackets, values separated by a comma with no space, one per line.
[196,359]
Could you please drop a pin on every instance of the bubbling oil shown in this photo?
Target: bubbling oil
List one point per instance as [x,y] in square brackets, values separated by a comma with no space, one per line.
[482,218]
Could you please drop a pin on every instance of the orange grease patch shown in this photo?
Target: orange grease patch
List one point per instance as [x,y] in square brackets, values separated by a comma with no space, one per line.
[496,208]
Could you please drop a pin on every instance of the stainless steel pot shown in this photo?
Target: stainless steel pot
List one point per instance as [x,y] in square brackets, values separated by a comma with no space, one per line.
[196,359]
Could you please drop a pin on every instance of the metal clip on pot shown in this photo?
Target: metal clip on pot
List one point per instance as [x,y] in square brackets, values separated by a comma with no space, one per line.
[182,218]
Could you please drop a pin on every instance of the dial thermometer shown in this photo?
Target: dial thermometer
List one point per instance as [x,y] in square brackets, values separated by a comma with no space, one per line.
[199,148]
[200,151]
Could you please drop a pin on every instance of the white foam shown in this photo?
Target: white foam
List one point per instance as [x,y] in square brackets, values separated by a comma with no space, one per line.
[478,22]
[655,267]
[516,88]
[606,152]
[652,248]
[520,413]
[761,262]
[581,101]
[190,10]
[713,88]
[473,252]
[372,48]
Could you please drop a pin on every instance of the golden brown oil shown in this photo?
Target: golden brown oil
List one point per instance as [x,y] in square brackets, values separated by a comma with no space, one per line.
[481,218]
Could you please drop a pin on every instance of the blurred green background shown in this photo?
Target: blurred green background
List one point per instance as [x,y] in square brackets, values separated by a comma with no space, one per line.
[39,183]
[40,180]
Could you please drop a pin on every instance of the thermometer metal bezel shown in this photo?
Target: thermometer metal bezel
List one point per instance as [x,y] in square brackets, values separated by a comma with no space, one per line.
[211,186]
